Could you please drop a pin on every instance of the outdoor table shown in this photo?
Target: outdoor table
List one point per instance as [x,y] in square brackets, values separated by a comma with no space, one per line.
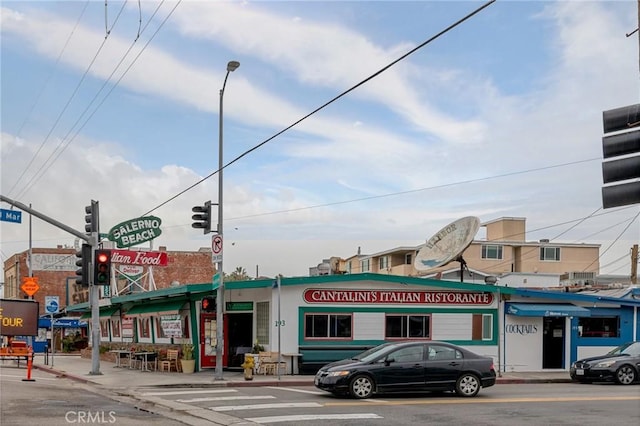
[119,355]
[144,355]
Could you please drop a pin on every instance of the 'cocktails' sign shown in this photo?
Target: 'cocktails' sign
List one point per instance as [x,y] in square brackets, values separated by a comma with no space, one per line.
[135,231]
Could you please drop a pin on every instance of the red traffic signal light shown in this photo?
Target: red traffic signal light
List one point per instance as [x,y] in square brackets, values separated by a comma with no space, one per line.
[102,268]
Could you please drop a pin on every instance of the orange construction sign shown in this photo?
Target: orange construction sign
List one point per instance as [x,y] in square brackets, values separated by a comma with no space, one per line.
[30,285]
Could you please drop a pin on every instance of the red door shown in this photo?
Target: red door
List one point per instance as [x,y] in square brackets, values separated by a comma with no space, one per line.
[208,331]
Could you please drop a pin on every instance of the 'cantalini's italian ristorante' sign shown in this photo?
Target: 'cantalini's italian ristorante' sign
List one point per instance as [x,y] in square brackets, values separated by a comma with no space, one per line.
[397,296]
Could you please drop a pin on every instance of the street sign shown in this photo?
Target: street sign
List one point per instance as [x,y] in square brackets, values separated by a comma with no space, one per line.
[14,216]
[216,247]
[52,304]
[30,285]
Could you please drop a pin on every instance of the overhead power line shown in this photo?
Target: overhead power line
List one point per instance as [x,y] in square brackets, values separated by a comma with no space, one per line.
[351,89]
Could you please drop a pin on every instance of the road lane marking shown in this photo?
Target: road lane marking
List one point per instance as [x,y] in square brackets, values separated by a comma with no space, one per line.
[226,398]
[303,417]
[267,406]
[185,392]
[486,401]
[296,390]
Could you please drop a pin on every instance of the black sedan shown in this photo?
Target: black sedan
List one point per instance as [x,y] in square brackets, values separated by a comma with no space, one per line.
[408,366]
[621,365]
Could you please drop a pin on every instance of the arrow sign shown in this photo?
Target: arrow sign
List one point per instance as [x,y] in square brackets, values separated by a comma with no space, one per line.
[216,246]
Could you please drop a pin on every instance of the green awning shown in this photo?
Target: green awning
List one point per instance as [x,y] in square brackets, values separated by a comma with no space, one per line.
[162,308]
[104,312]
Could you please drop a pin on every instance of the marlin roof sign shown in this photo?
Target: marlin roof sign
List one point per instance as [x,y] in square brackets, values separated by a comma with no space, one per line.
[135,231]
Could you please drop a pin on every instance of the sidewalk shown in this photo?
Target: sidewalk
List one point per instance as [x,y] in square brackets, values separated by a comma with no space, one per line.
[76,368]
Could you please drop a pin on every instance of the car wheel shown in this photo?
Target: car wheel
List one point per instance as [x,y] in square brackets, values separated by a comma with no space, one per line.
[361,387]
[626,375]
[468,385]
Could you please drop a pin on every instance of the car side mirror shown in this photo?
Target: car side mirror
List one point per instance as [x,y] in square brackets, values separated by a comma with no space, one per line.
[389,361]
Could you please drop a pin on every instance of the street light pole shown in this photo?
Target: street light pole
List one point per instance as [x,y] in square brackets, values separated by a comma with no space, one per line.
[231,66]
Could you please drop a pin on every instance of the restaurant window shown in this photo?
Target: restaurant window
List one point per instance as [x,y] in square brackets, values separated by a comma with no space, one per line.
[262,323]
[159,330]
[323,326]
[482,327]
[365,265]
[550,253]
[185,326]
[491,251]
[408,326]
[104,328]
[144,328]
[115,326]
[599,326]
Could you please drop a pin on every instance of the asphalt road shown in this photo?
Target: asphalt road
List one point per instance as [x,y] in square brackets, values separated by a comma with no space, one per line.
[55,401]
[525,404]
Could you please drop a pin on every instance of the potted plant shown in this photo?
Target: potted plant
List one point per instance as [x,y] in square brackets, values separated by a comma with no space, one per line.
[187,361]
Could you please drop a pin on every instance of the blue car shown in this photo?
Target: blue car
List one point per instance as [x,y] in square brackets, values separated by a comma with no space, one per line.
[620,365]
[408,366]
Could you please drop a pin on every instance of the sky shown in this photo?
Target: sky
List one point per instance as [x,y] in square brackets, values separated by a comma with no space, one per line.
[348,125]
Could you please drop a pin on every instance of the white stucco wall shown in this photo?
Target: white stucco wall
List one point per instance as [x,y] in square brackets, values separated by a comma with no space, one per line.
[368,325]
[451,326]
[522,343]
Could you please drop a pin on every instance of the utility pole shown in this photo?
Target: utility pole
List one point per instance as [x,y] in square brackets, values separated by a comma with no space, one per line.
[634,264]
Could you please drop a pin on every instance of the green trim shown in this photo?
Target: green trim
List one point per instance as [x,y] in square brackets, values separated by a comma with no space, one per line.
[157,308]
[106,312]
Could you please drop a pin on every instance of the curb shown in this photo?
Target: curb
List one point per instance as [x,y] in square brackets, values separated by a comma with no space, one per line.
[278,383]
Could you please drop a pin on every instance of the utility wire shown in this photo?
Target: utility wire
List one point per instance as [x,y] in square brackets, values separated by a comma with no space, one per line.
[37,100]
[413,191]
[366,80]
[64,109]
[62,146]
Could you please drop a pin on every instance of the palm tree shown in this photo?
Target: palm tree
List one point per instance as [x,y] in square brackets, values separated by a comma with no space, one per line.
[240,274]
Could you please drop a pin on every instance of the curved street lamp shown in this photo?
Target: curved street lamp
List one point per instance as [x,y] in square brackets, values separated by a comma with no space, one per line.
[231,66]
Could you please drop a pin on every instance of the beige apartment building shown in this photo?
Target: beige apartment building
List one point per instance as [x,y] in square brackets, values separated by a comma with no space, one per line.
[505,250]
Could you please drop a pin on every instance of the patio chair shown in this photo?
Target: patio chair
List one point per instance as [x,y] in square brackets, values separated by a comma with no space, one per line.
[265,365]
[171,361]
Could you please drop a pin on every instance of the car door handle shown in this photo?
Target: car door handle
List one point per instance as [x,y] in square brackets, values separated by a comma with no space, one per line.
[417,365]
[453,364]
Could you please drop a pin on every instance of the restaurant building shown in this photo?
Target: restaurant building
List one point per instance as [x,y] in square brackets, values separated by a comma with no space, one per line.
[314,320]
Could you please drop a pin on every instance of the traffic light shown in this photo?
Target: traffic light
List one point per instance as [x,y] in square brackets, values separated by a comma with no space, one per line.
[202,218]
[102,268]
[83,260]
[92,218]
[209,304]
[621,151]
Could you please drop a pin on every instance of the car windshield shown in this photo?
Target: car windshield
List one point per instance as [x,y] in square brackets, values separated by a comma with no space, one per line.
[373,353]
[631,348]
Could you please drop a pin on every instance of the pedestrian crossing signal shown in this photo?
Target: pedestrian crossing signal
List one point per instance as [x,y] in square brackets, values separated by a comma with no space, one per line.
[208,304]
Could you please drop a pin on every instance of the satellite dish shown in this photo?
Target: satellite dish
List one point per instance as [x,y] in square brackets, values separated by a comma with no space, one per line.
[447,244]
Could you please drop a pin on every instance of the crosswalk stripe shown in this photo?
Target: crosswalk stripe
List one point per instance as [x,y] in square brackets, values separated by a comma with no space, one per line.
[303,417]
[225,398]
[185,392]
[296,390]
[267,406]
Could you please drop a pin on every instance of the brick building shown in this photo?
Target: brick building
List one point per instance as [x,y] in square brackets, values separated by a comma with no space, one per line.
[55,270]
